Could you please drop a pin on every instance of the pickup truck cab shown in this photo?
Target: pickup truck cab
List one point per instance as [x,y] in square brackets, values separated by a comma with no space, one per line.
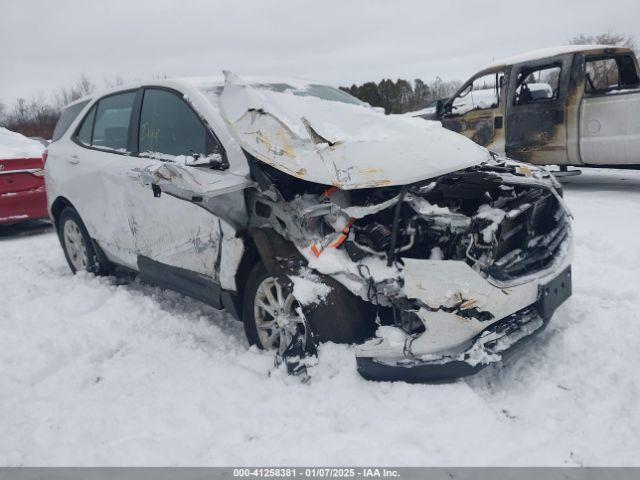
[575,105]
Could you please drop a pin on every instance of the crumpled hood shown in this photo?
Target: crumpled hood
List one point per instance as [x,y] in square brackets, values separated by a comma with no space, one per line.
[335,143]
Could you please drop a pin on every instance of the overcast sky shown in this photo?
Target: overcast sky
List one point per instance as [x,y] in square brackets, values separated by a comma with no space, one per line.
[46,44]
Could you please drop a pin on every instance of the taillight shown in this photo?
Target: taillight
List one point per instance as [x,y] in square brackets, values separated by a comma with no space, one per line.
[45,154]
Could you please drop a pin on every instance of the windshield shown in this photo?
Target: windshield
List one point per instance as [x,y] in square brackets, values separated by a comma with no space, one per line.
[323,92]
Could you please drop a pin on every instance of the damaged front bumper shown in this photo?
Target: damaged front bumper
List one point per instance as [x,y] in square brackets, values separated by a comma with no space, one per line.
[488,347]
[437,354]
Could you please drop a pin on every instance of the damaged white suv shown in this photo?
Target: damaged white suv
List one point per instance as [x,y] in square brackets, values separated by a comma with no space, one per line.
[313,217]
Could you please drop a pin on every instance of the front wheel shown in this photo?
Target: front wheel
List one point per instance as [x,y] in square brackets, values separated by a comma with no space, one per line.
[272,317]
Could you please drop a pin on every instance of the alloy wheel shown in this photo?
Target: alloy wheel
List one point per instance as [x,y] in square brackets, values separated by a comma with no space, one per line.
[278,316]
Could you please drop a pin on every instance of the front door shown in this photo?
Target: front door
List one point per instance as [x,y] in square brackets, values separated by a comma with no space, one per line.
[536,111]
[477,110]
[172,232]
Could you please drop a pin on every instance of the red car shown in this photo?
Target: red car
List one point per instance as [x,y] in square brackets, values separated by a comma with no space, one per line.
[22,193]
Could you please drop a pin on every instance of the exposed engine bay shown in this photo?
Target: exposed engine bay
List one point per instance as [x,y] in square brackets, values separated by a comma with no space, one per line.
[497,218]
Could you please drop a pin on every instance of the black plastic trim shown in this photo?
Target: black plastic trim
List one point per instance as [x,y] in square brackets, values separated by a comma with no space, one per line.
[183,281]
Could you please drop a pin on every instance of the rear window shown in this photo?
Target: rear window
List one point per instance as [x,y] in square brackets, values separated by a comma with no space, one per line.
[66,119]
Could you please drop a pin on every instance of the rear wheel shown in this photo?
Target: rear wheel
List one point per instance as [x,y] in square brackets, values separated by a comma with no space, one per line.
[78,247]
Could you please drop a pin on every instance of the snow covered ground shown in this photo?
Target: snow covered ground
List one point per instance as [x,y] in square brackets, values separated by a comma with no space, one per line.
[103,371]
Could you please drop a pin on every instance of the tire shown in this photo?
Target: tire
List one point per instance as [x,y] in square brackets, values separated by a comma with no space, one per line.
[269,331]
[342,319]
[79,249]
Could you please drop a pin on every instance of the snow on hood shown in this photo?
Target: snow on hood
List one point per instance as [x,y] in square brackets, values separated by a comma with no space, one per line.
[14,145]
[306,133]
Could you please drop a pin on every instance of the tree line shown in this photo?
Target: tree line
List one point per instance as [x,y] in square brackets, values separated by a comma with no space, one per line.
[37,117]
[401,96]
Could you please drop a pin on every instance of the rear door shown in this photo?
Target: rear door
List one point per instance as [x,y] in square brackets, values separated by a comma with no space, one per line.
[609,126]
[97,160]
[536,107]
[477,110]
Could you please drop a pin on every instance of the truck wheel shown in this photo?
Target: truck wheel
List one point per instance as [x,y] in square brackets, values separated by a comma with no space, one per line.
[271,314]
[77,244]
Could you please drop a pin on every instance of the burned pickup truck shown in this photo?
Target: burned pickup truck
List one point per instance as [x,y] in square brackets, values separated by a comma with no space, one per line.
[577,105]
[313,217]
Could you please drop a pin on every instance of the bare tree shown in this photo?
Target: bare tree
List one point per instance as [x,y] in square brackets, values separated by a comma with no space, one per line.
[113,82]
[608,38]
[65,95]
[439,89]
[38,116]
[33,118]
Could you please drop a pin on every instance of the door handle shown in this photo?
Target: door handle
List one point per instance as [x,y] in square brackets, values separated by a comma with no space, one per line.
[73,160]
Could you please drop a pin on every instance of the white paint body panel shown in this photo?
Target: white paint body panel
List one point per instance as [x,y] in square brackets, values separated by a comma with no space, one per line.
[170,230]
[90,177]
[610,129]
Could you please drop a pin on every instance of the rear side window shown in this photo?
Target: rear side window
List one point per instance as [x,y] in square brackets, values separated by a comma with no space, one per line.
[107,123]
[66,119]
[86,129]
[603,74]
[169,126]
[111,125]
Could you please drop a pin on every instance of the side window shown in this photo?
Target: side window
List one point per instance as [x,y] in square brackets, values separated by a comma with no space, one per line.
[539,84]
[483,93]
[111,124]
[84,133]
[66,119]
[169,126]
[609,73]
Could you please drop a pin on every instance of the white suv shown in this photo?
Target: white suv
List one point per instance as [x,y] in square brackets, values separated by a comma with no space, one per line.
[312,217]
